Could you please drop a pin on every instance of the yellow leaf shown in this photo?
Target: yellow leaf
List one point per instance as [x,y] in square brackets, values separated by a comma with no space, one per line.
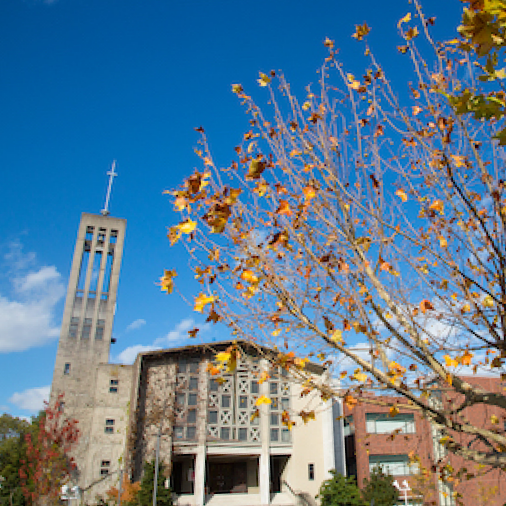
[276,332]
[401,194]
[306,106]
[264,376]
[442,242]
[405,19]
[187,227]
[237,88]
[394,410]
[255,414]
[488,301]
[450,362]
[166,281]
[262,400]
[337,336]
[202,300]
[465,308]
[359,376]
[261,188]
[223,356]
[494,419]
[249,276]
[264,79]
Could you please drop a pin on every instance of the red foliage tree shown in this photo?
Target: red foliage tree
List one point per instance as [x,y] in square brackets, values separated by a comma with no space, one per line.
[48,462]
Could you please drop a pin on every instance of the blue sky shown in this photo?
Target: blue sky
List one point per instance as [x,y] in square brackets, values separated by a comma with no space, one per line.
[83,82]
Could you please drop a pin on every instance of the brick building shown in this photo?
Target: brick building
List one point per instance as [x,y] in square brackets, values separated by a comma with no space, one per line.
[408,444]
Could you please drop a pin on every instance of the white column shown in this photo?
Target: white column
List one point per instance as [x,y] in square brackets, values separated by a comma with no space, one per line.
[199,485]
[264,471]
[200,475]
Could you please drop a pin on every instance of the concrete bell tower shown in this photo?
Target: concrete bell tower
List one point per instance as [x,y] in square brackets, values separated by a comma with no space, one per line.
[86,330]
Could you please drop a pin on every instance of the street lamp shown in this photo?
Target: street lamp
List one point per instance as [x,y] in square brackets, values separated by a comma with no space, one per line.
[67,493]
[404,488]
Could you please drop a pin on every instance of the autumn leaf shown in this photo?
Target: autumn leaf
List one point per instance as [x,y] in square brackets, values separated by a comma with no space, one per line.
[187,227]
[350,401]
[416,110]
[426,305]
[237,88]
[402,194]
[393,411]
[437,205]
[264,79]
[202,300]
[284,208]
[213,316]
[307,416]
[361,31]
[405,19]
[337,336]
[166,281]
[466,358]
[488,301]
[255,414]
[412,33]
[223,357]
[256,167]
[450,362]
[442,241]
[359,376]
[262,400]
[309,192]
[193,332]
[384,266]
[249,276]
[328,43]
[494,419]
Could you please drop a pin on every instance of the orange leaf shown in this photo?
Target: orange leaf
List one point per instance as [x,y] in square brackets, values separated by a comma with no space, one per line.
[426,305]
[350,401]
[284,208]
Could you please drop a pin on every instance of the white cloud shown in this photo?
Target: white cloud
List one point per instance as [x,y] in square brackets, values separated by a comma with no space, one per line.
[37,280]
[128,355]
[31,399]
[179,333]
[178,336]
[27,314]
[136,324]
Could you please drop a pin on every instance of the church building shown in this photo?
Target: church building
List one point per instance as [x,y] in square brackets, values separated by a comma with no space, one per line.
[219,446]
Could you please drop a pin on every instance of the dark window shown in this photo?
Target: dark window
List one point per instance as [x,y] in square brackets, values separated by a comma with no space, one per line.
[66,369]
[113,390]
[193,383]
[190,432]
[114,237]
[192,399]
[310,472]
[109,426]
[192,416]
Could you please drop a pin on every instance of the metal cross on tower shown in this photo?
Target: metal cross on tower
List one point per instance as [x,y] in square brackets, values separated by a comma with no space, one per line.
[112,175]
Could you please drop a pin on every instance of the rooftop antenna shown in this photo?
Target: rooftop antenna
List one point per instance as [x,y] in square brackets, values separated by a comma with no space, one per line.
[112,175]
